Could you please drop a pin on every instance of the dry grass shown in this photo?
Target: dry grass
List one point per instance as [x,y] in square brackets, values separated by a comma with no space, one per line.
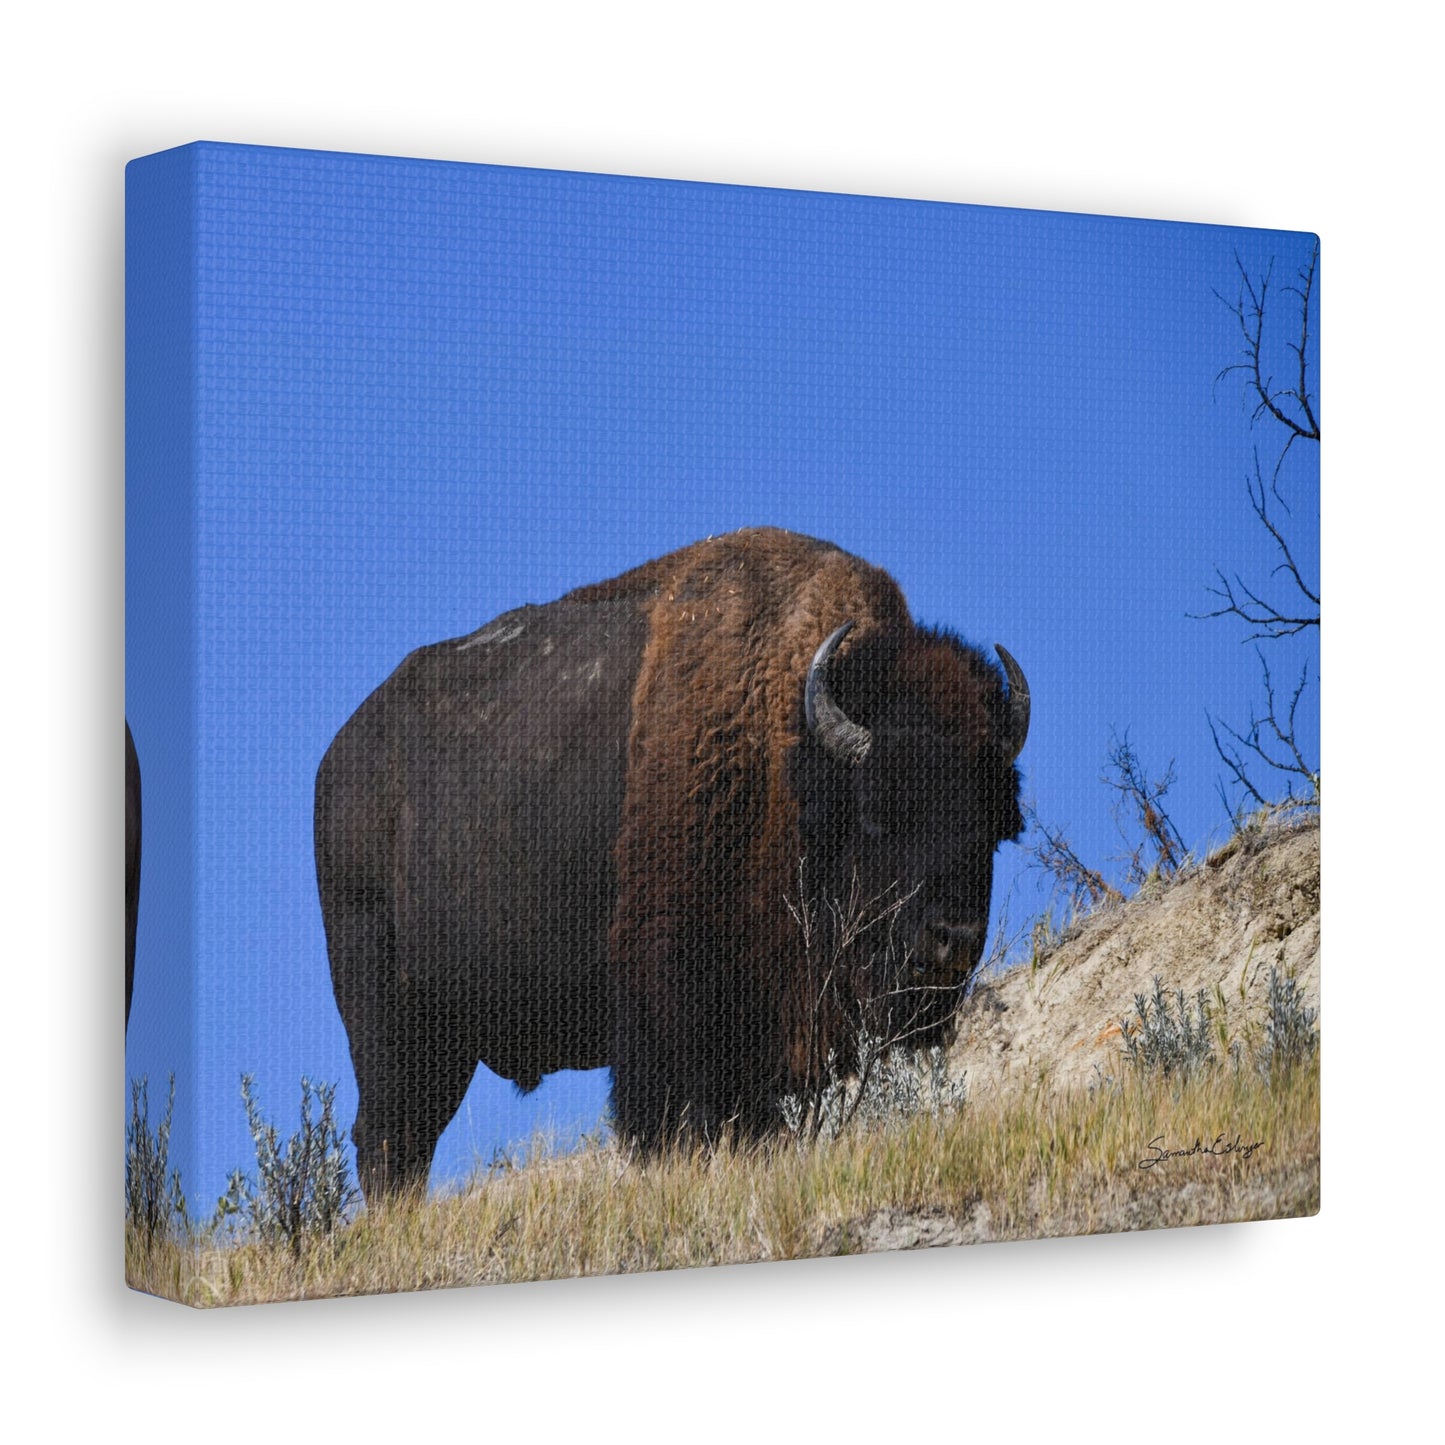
[1051,1163]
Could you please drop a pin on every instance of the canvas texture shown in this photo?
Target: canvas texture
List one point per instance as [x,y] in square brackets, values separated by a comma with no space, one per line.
[674,724]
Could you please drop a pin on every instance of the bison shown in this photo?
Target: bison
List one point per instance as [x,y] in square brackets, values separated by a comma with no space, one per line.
[132,862]
[615,830]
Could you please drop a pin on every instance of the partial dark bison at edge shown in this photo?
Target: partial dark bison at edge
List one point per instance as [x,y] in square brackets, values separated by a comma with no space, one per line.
[132,862]
[585,834]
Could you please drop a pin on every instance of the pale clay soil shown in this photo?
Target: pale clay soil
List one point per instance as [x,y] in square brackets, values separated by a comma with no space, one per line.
[1252,904]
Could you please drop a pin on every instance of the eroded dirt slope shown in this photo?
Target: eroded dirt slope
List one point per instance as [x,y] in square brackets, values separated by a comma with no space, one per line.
[1253,904]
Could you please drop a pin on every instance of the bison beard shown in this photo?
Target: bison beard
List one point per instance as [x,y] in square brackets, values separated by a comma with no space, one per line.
[573,839]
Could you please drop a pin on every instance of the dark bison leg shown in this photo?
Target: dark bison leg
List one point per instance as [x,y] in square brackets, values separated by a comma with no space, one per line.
[411,1089]
[695,1064]
[132,862]
[647,1096]
[412,1064]
[360,940]
[412,1061]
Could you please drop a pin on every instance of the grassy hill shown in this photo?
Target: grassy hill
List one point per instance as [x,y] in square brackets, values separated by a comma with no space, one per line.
[1079,1114]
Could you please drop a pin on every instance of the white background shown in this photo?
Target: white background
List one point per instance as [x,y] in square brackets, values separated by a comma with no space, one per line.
[1251,115]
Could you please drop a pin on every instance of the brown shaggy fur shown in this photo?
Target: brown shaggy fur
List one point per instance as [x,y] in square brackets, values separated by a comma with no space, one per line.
[710,1027]
[577,838]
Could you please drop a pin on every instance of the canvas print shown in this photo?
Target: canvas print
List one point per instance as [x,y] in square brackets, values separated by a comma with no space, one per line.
[681,724]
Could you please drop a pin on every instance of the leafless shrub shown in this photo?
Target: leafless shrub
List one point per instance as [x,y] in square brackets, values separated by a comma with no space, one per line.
[1293,407]
[1270,745]
[1271,738]
[1160,849]
[860,1049]
[1267,619]
[1080,887]
[1156,849]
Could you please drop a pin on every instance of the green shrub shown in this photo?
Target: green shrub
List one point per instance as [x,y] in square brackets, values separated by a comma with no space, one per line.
[892,1082]
[1166,1036]
[300,1191]
[154,1200]
[1170,1036]
[1290,1035]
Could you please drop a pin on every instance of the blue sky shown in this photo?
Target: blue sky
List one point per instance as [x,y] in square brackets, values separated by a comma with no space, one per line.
[425,393]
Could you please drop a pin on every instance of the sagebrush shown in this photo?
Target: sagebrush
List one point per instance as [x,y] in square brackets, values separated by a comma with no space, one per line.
[891,1082]
[1290,1035]
[155,1203]
[1171,1034]
[301,1190]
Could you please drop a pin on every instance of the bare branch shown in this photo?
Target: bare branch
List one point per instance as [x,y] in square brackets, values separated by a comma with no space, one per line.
[846,940]
[1271,740]
[1086,888]
[1307,276]
[1231,759]
[1249,310]
[1264,616]
[1145,802]
[1269,743]
[1267,618]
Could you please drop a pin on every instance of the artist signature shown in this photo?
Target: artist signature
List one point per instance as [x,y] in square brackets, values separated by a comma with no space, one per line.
[1221,1145]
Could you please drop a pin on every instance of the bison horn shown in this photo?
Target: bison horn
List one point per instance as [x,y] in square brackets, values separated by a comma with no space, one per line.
[847,741]
[1018,704]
